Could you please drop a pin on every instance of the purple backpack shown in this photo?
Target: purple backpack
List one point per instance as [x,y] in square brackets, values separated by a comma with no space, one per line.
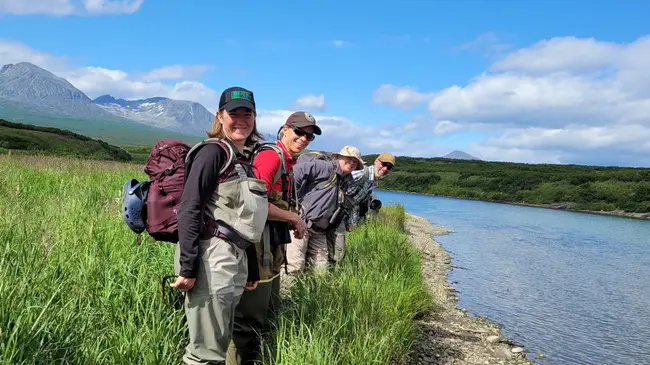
[153,205]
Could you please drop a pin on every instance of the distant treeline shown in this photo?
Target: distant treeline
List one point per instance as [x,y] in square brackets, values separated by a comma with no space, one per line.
[31,139]
[139,153]
[595,188]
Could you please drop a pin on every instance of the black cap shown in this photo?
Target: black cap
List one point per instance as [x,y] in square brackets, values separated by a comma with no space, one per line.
[236,97]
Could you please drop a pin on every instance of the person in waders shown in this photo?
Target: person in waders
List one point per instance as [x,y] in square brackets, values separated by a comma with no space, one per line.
[273,163]
[222,213]
[357,187]
[317,181]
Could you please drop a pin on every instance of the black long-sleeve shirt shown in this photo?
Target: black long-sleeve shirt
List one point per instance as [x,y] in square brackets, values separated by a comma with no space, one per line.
[200,184]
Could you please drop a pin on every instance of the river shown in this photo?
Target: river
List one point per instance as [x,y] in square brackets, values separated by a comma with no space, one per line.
[572,286]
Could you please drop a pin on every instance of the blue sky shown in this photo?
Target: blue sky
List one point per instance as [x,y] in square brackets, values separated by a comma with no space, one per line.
[503,80]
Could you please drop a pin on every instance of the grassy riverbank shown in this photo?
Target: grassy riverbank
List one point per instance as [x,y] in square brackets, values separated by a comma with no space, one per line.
[362,313]
[75,288]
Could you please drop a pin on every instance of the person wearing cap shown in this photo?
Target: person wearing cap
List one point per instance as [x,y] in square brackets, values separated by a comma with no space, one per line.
[221,194]
[317,182]
[382,166]
[256,308]
[357,187]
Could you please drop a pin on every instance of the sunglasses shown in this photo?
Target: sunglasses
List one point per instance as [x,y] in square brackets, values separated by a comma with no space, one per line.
[300,133]
[387,165]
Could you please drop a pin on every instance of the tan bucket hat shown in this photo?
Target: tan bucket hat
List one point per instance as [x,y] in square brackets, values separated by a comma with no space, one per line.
[350,151]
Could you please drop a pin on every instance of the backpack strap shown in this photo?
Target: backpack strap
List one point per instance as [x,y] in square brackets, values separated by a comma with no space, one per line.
[230,153]
[332,179]
[272,146]
[281,173]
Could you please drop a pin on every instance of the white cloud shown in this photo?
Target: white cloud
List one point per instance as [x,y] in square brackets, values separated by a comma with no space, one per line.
[446,126]
[176,72]
[576,138]
[340,43]
[15,52]
[337,131]
[566,99]
[26,7]
[622,145]
[403,97]
[521,99]
[561,54]
[95,81]
[112,6]
[310,102]
[491,153]
[415,123]
[69,7]
[340,131]
[488,43]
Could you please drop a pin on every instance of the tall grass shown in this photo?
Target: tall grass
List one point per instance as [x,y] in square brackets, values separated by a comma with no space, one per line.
[363,311]
[74,286]
[76,289]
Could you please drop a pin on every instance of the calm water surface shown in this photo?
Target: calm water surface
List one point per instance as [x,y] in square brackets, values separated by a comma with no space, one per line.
[575,287]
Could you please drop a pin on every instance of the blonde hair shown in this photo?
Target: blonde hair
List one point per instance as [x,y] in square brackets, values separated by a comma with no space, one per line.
[217,130]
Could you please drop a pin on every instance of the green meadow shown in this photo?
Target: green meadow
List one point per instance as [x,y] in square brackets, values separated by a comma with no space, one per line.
[75,288]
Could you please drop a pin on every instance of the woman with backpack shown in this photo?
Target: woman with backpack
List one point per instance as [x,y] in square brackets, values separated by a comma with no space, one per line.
[222,212]
[273,163]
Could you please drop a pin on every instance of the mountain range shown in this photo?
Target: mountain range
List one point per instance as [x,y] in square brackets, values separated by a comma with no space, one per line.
[31,94]
[26,86]
[175,115]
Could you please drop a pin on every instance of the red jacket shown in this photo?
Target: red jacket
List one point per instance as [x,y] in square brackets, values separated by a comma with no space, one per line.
[267,163]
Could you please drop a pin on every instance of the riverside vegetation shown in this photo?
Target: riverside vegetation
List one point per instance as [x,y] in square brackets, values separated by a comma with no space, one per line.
[592,188]
[75,287]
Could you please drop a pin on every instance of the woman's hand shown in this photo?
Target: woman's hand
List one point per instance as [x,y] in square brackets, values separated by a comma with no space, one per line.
[183,284]
[251,285]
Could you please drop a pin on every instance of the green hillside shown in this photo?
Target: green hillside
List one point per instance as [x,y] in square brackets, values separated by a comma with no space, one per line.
[113,131]
[594,188]
[139,153]
[30,139]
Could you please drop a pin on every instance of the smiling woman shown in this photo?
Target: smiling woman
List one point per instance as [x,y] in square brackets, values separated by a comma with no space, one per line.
[222,213]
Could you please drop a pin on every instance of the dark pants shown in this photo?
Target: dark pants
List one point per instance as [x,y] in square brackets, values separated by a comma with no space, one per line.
[252,317]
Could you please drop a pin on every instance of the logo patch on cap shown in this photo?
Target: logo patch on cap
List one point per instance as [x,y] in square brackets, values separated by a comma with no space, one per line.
[239,94]
[310,117]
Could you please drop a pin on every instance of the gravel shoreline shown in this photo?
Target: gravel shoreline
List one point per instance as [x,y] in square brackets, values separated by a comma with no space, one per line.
[448,334]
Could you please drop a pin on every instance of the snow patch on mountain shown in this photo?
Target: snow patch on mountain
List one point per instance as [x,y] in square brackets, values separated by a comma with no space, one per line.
[177,115]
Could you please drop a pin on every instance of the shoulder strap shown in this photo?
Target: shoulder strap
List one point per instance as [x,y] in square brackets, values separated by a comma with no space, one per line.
[272,146]
[332,179]
[230,152]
